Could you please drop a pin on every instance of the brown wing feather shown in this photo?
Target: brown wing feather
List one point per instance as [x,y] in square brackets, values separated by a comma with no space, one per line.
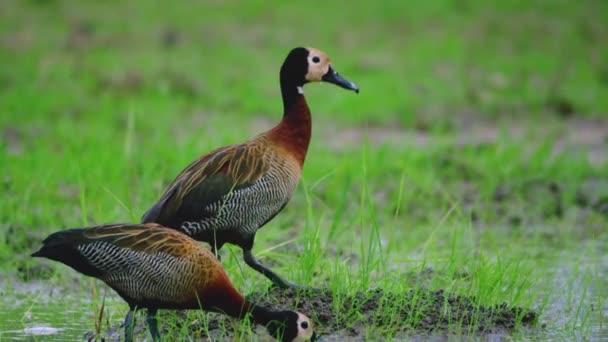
[236,164]
[148,238]
[242,163]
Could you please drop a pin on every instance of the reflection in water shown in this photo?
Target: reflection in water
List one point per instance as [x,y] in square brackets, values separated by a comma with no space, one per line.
[40,330]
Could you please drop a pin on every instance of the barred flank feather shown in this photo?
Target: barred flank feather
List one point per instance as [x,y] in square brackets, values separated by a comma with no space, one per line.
[248,207]
[240,187]
[143,263]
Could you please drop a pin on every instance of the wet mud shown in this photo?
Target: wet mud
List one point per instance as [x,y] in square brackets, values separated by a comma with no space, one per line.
[417,312]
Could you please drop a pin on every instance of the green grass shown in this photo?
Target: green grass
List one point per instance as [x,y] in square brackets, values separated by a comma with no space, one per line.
[459,154]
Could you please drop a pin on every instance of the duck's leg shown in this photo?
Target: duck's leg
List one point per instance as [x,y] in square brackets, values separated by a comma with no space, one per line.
[129,323]
[153,324]
[277,280]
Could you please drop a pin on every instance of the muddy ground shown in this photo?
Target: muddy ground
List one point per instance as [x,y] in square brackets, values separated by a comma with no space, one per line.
[419,312]
[435,311]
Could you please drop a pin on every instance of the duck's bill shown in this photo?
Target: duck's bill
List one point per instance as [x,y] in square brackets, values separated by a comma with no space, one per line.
[333,77]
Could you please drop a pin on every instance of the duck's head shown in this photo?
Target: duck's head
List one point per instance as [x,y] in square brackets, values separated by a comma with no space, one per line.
[291,326]
[304,65]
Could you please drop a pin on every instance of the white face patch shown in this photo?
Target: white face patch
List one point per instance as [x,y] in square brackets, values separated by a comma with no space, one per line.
[300,90]
[305,328]
[313,59]
[318,64]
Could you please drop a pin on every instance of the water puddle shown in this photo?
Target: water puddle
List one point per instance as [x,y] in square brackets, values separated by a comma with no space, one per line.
[36,311]
[577,306]
[38,330]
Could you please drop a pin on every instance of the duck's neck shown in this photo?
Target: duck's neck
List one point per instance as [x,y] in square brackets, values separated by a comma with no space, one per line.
[294,130]
[291,92]
[222,296]
[263,316]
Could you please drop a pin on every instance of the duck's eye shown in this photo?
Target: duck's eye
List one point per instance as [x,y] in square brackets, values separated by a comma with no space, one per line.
[304,325]
[316,59]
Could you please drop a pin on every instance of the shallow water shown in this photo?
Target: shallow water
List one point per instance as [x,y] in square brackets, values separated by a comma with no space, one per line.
[37,311]
[48,323]
[584,281]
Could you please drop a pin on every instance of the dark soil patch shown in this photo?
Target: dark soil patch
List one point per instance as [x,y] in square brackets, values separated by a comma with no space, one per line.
[524,202]
[417,311]
[170,37]
[425,277]
[593,194]
[129,82]
[538,200]
[13,138]
[81,35]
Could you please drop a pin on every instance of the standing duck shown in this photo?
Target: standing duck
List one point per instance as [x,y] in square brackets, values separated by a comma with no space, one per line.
[226,195]
[155,267]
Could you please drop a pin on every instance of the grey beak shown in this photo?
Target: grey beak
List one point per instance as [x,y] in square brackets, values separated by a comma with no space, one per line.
[333,77]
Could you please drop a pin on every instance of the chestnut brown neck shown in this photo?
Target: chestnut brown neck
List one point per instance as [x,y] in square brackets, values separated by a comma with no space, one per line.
[223,297]
[294,130]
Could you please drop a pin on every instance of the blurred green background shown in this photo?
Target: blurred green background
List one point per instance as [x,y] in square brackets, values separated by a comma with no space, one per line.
[419,64]
[486,114]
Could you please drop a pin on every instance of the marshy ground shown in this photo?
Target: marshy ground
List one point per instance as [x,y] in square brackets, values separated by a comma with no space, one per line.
[463,193]
[417,313]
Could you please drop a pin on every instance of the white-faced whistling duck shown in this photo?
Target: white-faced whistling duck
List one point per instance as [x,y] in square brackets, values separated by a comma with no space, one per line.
[154,267]
[225,196]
